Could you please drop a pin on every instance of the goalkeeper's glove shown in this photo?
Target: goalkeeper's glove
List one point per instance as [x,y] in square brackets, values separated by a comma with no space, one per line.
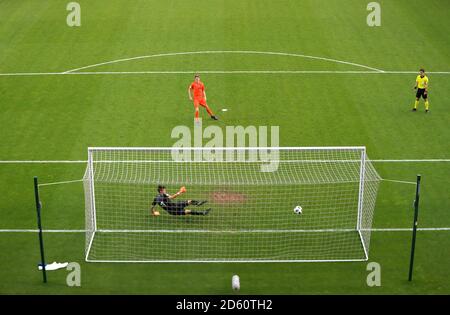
[182,190]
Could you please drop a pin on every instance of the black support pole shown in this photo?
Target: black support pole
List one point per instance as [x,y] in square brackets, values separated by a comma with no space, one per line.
[41,240]
[413,242]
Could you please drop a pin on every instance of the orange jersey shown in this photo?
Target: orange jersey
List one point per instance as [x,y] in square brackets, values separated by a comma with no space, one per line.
[198,88]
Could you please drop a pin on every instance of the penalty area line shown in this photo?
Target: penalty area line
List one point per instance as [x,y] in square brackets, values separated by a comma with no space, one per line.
[32,74]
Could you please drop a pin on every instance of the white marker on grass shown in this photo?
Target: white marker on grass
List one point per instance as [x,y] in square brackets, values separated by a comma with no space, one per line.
[235,283]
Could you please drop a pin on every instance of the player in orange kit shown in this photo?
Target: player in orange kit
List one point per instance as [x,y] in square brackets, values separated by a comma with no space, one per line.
[197,88]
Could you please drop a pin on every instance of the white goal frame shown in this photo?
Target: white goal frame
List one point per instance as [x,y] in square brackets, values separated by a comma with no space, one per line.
[92,229]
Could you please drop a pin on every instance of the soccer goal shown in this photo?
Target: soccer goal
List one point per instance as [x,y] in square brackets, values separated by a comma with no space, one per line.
[266,204]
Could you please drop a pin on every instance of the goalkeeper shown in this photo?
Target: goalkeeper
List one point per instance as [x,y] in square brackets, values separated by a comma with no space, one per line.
[164,200]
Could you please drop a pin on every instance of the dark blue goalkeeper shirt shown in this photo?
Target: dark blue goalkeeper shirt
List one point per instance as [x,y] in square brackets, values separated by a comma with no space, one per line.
[163,201]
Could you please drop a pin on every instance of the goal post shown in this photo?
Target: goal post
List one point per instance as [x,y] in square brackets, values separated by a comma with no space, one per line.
[251,194]
[362,174]
[89,197]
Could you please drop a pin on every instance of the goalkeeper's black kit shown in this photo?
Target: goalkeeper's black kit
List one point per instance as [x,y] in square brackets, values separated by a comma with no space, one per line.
[177,207]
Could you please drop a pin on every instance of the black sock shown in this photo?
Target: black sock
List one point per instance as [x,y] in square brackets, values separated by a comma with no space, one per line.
[197,212]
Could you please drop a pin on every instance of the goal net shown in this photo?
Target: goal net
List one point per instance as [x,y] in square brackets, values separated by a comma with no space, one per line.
[252,194]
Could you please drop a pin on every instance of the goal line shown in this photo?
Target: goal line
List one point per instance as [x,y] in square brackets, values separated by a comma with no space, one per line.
[425,229]
[444,160]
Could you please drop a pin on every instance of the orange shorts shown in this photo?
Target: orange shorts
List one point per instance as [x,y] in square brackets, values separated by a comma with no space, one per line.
[199,101]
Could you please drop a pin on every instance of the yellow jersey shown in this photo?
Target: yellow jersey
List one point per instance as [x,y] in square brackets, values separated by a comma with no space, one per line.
[422,82]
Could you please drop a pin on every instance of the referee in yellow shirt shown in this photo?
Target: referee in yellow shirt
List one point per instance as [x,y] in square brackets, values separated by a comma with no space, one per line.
[422,90]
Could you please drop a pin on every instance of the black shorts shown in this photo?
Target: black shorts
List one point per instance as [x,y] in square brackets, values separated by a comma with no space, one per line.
[177,208]
[421,92]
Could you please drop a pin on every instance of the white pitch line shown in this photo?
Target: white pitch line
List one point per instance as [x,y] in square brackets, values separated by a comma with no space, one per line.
[35,231]
[208,231]
[408,229]
[60,183]
[410,160]
[85,161]
[18,74]
[398,181]
[270,53]
[225,52]
[414,72]
[42,161]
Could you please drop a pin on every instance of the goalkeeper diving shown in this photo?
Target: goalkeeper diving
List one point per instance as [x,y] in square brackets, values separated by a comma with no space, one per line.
[164,200]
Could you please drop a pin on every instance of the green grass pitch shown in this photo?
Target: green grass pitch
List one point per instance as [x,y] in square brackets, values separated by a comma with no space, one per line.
[47,116]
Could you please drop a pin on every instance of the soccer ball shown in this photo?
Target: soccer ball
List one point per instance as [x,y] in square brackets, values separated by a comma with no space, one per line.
[298,210]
